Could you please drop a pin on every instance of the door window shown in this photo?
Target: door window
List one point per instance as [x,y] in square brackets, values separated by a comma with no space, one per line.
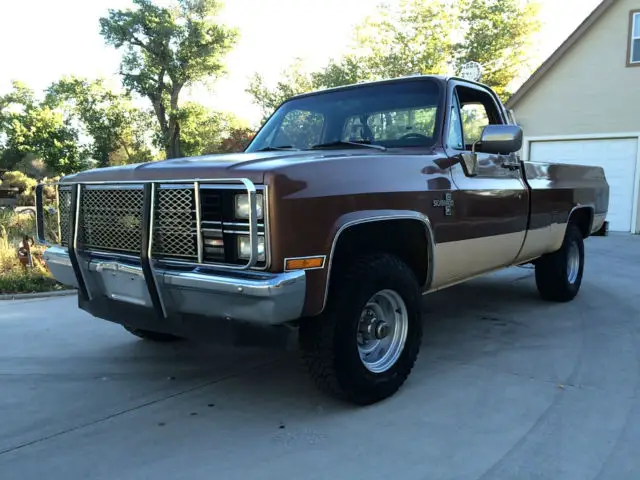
[474,119]
[477,110]
[454,138]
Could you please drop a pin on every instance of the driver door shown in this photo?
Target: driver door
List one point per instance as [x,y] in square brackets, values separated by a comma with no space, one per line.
[491,209]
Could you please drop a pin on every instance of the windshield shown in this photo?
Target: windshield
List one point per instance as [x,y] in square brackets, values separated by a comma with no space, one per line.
[402,114]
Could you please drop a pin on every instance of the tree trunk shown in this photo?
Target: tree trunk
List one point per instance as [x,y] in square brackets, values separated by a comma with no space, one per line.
[173,145]
[169,125]
[123,143]
[174,139]
[159,110]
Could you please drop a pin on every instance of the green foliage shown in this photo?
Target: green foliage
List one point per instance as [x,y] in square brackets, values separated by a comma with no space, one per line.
[119,132]
[414,38]
[498,36]
[32,166]
[420,36]
[294,81]
[203,131]
[15,225]
[113,129]
[166,49]
[18,180]
[20,280]
[32,129]
[24,184]
[236,140]
[14,277]
[348,70]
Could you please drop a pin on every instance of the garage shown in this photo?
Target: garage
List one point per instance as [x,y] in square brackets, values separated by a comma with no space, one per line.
[573,109]
[618,157]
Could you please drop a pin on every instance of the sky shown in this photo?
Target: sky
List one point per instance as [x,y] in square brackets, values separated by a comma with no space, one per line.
[42,40]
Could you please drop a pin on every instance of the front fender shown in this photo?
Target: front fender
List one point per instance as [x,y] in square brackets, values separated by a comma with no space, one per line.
[316,301]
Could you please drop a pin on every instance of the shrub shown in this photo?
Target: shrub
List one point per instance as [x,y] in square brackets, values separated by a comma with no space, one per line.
[16,225]
[25,185]
[26,188]
[14,277]
[49,191]
[27,281]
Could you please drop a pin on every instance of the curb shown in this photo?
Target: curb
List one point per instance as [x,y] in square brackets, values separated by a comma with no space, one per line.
[29,296]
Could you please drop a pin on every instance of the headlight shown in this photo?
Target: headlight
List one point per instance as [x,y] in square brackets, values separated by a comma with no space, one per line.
[244,248]
[242,205]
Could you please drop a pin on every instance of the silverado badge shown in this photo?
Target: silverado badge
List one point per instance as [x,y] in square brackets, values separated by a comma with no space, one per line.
[447,203]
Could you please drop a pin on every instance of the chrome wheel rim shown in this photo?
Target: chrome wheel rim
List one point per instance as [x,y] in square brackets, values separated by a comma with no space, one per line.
[382,331]
[573,262]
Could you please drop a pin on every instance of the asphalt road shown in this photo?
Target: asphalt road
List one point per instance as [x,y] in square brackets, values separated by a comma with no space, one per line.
[506,387]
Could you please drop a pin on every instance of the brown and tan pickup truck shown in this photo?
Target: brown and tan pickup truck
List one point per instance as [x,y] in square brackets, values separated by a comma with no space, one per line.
[347,207]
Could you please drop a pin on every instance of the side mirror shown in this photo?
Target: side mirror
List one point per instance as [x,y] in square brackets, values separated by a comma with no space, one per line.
[500,139]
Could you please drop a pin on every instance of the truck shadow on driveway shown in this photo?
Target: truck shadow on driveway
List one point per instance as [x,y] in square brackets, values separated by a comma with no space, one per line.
[460,323]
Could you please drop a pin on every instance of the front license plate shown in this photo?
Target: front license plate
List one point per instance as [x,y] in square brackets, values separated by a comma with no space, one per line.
[122,285]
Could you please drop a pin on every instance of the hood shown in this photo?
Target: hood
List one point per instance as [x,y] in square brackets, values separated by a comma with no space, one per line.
[253,166]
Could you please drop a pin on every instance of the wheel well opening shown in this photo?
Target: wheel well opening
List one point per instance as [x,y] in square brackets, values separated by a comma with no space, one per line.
[582,218]
[406,239]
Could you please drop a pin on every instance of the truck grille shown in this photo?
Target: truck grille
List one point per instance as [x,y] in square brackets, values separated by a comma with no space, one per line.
[64,204]
[175,226]
[111,219]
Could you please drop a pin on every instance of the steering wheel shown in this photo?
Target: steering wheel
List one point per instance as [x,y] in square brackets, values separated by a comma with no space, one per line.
[413,135]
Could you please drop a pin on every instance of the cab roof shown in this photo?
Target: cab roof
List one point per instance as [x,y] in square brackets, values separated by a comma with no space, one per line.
[409,78]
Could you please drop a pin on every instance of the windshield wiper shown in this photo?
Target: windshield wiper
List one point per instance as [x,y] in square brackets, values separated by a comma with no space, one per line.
[349,144]
[282,147]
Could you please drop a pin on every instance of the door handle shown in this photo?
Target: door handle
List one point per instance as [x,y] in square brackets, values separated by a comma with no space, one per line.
[510,166]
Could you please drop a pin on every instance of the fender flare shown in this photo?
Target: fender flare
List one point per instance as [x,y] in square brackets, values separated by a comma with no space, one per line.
[592,215]
[369,216]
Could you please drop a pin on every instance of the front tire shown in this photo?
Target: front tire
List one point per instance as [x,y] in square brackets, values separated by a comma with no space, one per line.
[559,274]
[363,346]
[150,335]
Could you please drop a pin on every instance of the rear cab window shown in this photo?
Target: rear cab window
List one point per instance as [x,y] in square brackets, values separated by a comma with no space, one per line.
[392,125]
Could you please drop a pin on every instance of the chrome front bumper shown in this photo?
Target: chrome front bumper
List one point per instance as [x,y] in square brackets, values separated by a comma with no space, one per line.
[245,296]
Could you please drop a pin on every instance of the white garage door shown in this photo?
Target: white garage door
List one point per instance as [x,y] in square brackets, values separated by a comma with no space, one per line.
[617,157]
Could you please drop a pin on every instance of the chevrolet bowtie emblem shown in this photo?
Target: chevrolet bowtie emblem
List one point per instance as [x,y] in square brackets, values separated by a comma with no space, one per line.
[447,203]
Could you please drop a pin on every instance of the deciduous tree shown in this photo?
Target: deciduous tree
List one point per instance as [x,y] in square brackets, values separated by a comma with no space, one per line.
[165,50]
[498,36]
[119,133]
[32,129]
[205,131]
[424,37]
[295,80]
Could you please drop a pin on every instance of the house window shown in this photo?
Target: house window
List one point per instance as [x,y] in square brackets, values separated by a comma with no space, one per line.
[634,39]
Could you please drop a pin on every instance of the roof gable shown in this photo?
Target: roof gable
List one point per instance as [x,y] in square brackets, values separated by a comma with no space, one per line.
[559,53]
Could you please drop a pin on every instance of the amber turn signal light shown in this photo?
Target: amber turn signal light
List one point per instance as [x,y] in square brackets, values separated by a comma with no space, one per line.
[303,263]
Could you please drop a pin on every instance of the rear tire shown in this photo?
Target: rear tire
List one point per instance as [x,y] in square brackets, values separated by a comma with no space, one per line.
[559,274]
[150,335]
[363,346]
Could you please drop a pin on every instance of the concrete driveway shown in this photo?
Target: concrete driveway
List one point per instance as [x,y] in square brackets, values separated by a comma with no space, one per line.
[506,386]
